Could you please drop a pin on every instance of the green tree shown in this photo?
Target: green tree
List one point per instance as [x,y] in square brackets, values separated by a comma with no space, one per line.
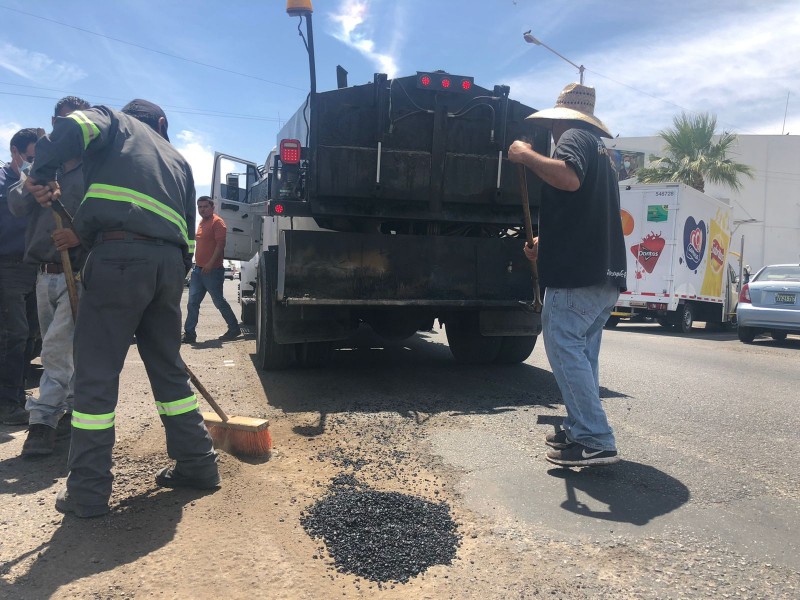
[692,156]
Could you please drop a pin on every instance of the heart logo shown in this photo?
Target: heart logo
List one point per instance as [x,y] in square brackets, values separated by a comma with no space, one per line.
[694,242]
[648,251]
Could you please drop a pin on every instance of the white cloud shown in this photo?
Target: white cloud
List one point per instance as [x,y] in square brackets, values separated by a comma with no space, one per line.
[7,131]
[200,157]
[354,30]
[739,67]
[36,66]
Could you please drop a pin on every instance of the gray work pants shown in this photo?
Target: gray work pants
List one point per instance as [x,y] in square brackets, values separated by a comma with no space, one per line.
[131,287]
[57,327]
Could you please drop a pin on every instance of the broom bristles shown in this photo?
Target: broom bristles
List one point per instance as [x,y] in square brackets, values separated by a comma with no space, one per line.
[257,444]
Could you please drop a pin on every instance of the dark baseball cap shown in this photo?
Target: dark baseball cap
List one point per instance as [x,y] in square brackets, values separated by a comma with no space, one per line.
[146,112]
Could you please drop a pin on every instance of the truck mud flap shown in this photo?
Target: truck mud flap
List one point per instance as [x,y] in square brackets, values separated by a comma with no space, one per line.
[324,268]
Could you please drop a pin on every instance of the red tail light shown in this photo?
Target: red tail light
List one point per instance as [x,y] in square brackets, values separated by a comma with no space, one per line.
[290,152]
[744,293]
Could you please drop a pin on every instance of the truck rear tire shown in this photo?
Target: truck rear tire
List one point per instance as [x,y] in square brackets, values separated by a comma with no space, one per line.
[685,319]
[778,336]
[270,355]
[515,349]
[467,344]
[611,323]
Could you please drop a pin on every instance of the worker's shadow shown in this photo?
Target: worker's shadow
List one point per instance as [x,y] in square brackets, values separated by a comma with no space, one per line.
[83,547]
[22,476]
[632,492]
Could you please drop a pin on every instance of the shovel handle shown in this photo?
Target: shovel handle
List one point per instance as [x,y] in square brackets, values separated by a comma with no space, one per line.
[69,276]
[526,212]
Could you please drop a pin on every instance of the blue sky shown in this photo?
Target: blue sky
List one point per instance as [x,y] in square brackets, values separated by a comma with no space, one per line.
[227,73]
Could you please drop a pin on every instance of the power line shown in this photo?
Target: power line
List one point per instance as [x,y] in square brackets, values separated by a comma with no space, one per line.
[189,60]
[173,109]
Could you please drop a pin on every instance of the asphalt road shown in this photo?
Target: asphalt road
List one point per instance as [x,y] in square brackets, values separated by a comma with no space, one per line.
[704,504]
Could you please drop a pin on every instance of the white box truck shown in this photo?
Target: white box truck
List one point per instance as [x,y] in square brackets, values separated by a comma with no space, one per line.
[677,243]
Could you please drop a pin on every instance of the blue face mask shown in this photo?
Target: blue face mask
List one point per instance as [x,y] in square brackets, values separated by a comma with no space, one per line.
[25,165]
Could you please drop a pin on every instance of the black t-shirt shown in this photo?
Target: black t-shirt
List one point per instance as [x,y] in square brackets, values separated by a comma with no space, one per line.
[580,232]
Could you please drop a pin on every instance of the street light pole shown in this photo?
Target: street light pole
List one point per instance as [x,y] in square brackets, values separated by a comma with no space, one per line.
[532,40]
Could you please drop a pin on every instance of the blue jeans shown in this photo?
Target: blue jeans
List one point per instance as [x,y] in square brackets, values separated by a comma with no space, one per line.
[17,286]
[212,283]
[57,383]
[572,325]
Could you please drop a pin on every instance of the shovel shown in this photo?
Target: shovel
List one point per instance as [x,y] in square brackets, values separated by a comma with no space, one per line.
[526,211]
[60,215]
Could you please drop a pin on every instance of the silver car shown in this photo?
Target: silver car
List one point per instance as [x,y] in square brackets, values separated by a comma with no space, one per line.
[770,302]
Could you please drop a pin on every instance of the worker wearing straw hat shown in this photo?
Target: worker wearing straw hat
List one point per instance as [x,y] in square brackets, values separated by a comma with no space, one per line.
[581,259]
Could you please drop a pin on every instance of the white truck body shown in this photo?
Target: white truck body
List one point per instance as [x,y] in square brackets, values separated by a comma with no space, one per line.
[677,245]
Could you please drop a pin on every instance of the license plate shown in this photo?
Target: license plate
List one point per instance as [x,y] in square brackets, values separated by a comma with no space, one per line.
[785,298]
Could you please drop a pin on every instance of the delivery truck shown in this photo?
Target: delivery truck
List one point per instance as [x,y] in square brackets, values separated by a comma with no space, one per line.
[389,204]
[677,242]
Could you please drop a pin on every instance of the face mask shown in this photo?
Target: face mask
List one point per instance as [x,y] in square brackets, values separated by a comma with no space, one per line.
[25,165]
[627,164]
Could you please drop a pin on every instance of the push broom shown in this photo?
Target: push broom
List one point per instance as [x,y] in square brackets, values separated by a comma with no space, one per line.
[241,436]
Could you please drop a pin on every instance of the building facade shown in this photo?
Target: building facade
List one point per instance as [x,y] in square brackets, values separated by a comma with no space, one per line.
[766,210]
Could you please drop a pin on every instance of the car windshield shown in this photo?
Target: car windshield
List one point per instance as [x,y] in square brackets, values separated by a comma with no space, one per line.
[780,273]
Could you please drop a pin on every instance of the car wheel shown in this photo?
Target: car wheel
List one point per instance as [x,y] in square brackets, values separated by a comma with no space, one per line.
[746,334]
[778,336]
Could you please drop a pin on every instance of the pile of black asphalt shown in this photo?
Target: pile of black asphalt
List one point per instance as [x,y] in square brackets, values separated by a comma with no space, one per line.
[381,536]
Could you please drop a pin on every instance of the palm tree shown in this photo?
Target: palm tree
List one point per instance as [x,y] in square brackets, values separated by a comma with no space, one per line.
[693,157]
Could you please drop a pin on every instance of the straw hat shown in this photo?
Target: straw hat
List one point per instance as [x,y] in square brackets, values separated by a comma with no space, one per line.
[575,103]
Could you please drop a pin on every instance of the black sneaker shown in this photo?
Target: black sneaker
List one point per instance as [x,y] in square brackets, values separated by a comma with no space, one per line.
[41,440]
[13,414]
[189,338]
[231,334]
[170,477]
[558,439]
[578,455]
[64,427]
[66,505]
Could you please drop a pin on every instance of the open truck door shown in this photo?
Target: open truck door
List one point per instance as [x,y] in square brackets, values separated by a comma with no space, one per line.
[231,189]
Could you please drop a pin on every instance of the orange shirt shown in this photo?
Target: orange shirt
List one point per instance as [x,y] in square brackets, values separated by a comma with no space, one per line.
[210,232]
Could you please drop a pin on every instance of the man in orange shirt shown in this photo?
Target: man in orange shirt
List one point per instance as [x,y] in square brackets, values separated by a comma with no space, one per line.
[208,274]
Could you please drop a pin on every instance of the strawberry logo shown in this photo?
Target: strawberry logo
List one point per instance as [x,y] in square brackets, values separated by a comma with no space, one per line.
[648,251]
[694,243]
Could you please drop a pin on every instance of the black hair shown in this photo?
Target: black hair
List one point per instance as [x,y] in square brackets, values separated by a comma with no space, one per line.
[72,102]
[23,138]
[205,199]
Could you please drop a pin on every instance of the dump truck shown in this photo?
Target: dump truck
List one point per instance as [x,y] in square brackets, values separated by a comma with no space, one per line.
[390,204]
[679,259]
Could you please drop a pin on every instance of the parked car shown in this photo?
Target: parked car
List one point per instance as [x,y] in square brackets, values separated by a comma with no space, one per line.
[770,303]
[231,272]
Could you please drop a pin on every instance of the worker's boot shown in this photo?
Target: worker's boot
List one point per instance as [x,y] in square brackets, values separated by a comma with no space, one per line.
[65,504]
[171,477]
[64,427]
[13,414]
[41,440]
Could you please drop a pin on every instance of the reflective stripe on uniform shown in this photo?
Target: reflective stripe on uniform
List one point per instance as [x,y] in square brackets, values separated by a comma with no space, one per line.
[89,129]
[86,421]
[177,407]
[121,194]
[191,246]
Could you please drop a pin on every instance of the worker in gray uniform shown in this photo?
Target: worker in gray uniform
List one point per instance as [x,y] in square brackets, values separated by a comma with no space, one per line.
[51,413]
[138,216]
